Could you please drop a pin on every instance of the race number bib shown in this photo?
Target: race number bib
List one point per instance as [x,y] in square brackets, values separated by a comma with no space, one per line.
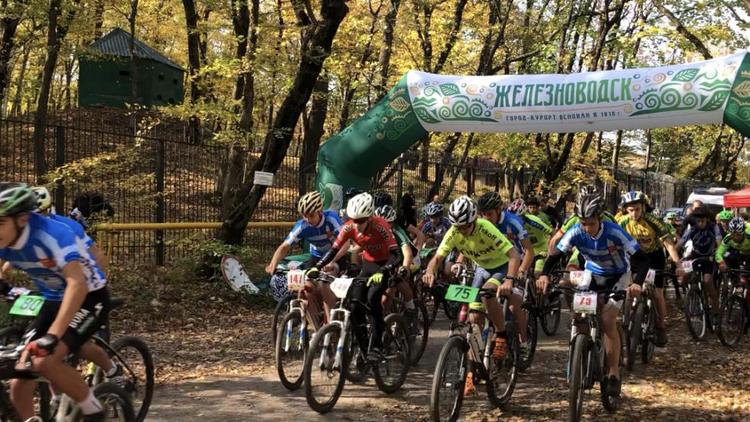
[581,279]
[295,280]
[340,286]
[651,276]
[585,302]
[687,266]
[27,306]
[458,293]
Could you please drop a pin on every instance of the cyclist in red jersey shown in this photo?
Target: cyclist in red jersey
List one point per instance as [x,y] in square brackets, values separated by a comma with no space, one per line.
[380,256]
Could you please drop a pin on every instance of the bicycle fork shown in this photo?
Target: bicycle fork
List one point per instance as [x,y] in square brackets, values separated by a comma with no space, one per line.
[339,357]
[296,305]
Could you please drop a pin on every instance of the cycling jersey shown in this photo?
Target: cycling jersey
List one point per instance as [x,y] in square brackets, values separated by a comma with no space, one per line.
[703,242]
[376,241]
[729,245]
[605,254]
[44,248]
[436,231]
[573,220]
[75,226]
[320,236]
[512,227]
[648,231]
[402,238]
[539,233]
[486,246]
[546,219]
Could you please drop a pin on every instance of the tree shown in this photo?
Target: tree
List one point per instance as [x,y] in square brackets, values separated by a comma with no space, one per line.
[11,13]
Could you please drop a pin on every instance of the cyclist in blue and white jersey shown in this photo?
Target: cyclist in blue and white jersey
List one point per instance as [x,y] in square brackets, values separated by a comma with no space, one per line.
[610,253]
[319,228]
[436,225]
[511,226]
[75,292]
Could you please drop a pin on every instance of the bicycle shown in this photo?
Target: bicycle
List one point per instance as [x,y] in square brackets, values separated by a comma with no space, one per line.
[698,318]
[419,327]
[137,377]
[331,349]
[470,349]
[587,356]
[733,319]
[640,316]
[433,297]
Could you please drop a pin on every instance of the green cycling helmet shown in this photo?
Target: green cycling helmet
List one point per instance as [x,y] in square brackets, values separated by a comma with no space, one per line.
[16,198]
[726,215]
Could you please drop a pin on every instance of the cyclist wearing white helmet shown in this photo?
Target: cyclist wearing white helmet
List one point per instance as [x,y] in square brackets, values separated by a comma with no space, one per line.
[497,264]
[380,257]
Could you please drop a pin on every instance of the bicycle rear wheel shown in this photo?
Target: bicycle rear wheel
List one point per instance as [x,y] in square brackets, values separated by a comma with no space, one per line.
[649,328]
[528,351]
[448,381]
[635,332]
[323,379]
[732,321]
[577,386]
[116,403]
[695,314]
[291,346]
[390,373]
[422,327]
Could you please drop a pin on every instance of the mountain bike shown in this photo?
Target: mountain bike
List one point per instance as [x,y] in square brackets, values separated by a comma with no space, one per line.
[640,322]
[469,349]
[697,315]
[733,319]
[419,326]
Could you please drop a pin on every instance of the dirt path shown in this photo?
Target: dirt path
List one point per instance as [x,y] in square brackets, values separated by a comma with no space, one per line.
[675,386]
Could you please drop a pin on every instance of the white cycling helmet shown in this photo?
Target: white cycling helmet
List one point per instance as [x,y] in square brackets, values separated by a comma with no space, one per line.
[736,225]
[360,206]
[43,198]
[310,202]
[462,211]
[387,212]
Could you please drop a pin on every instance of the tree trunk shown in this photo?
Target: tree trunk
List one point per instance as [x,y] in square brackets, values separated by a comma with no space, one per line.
[194,50]
[461,164]
[57,28]
[649,141]
[313,132]
[68,64]
[98,19]
[11,17]
[131,51]
[17,99]
[234,178]
[444,161]
[248,90]
[384,60]
[679,27]
[616,153]
[316,47]
[241,26]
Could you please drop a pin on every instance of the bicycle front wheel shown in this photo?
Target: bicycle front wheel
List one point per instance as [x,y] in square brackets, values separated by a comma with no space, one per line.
[550,318]
[577,386]
[649,327]
[420,333]
[448,381]
[324,369]
[695,314]
[291,346]
[390,373]
[732,321]
[635,332]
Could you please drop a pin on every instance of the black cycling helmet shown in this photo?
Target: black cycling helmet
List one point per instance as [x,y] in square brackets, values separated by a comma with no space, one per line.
[588,203]
[533,201]
[701,212]
[382,198]
[489,201]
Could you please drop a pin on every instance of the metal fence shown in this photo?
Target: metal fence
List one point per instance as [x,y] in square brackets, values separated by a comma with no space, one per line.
[149,173]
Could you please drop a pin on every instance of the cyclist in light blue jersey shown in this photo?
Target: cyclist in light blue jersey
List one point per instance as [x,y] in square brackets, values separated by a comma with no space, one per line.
[511,226]
[75,292]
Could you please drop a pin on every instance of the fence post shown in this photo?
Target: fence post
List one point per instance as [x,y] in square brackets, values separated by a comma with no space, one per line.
[160,161]
[59,162]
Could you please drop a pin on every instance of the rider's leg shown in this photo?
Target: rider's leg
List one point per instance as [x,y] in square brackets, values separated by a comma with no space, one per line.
[91,352]
[713,294]
[494,310]
[611,339]
[65,379]
[22,396]
[374,294]
[516,302]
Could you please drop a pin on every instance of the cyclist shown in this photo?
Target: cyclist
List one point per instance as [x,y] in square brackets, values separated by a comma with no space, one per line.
[611,254]
[436,224]
[409,251]
[722,220]
[734,249]
[490,205]
[380,256]
[318,227]
[539,233]
[532,206]
[573,220]
[496,259]
[701,241]
[75,292]
[670,221]
[651,235]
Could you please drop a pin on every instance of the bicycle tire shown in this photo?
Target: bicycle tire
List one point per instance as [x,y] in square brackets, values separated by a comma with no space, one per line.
[278,315]
[647,346]
[532,333]
[292,380]
[577,384]
[110,394]
[733,315]
[495,396]
[451,309]
[456,345]
[395,350]
[695,314]
[419,345]
[635,333]
[141,405]
[550,318]
[326,405]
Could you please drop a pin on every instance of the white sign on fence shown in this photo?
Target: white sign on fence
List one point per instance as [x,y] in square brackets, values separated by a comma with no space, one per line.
[263,178]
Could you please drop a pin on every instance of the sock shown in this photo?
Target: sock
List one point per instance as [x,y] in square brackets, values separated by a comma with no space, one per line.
[90,405]
[410,304]
[112,371]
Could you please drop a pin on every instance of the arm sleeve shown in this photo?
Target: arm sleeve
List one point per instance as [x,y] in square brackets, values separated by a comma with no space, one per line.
[721,251]
[552,261]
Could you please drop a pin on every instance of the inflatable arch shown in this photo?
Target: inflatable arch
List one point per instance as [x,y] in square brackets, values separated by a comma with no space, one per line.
[712,91]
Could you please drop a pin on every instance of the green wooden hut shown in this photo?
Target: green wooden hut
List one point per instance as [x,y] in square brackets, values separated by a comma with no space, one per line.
[105,74]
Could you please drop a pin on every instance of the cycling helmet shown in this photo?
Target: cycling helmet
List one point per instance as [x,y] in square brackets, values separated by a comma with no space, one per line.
[462,211]
[736,225]
[361,206]
[489,201]
[701,212]
[726,215]
[632,197]
[517,207]
[310,202]
[670,216]
[588,203]
[16,198]
[433,209]
[349,193]
[387,212]
[381,198]
[43,198]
